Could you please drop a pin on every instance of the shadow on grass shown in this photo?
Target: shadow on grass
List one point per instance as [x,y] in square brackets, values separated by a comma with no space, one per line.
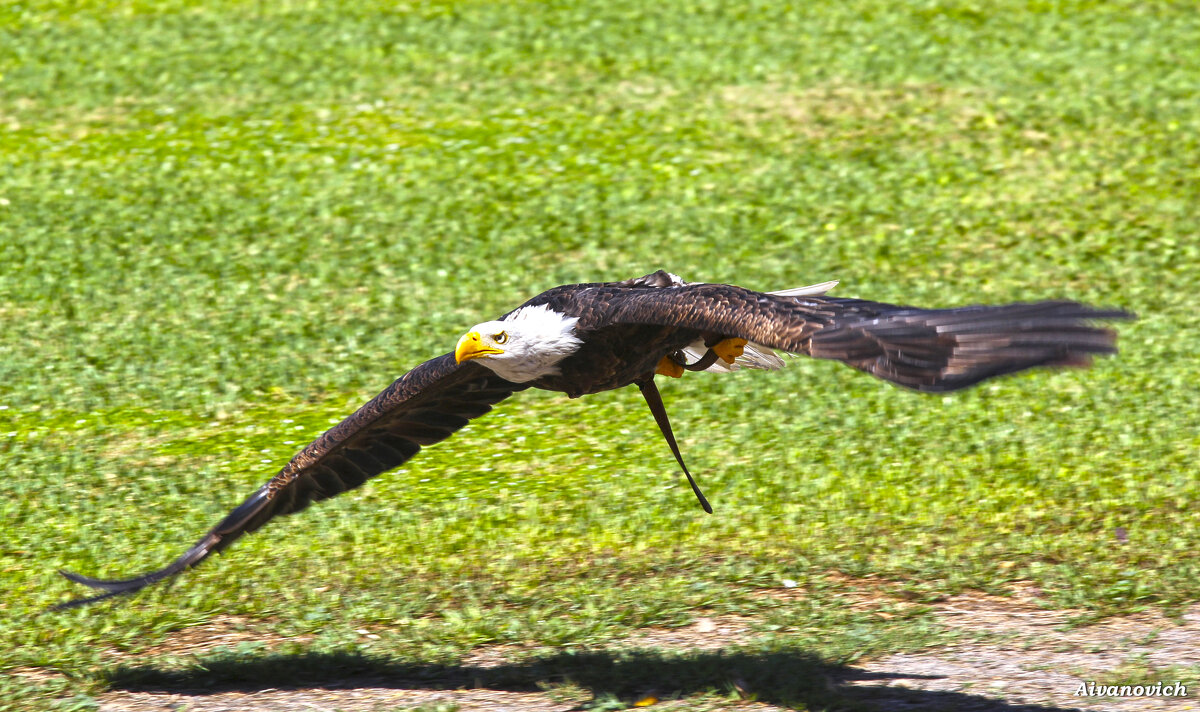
[788,678]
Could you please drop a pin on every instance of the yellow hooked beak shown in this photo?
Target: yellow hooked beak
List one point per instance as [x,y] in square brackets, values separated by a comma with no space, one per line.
[471,346]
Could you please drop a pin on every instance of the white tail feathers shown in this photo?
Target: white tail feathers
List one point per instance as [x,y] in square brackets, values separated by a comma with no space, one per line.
[812,290]
[754,356]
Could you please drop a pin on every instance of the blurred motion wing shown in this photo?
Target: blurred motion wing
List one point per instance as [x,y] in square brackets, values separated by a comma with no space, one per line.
[424,406]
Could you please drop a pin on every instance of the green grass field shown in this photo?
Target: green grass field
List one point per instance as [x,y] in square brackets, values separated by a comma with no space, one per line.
[225,225]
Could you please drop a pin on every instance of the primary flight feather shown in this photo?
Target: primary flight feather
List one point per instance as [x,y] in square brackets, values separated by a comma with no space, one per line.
[586,338]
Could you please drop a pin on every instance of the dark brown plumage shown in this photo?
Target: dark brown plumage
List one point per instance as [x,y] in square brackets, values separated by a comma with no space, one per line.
[424,406]
[618,334]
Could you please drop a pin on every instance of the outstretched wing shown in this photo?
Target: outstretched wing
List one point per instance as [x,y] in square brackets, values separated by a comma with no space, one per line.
[424,406]
[931,350]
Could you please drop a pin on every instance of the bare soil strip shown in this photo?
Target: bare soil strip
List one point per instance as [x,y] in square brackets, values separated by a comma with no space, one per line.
[1024,659]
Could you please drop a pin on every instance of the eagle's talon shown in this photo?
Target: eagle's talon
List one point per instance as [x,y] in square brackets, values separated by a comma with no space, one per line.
[729,349]
[668,366]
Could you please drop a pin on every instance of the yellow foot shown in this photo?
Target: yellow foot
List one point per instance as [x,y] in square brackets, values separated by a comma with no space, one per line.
[668,367]
[729,349]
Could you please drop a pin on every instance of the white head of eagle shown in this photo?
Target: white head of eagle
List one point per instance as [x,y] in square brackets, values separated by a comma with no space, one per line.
[523,346]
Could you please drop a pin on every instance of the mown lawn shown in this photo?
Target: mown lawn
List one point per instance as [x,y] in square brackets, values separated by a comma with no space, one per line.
[224,225]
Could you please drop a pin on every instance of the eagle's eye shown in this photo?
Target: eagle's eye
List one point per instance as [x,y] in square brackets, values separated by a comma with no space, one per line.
[501,337]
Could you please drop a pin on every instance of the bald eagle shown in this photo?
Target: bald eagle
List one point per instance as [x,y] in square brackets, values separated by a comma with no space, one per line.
[585,338]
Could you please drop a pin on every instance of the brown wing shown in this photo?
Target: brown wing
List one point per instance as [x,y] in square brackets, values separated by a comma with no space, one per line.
[426,405]
[930,350]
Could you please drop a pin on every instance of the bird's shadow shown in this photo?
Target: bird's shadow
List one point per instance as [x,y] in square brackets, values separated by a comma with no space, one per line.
[788,678]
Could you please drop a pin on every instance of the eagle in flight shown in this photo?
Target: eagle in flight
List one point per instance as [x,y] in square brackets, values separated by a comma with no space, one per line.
[586,338]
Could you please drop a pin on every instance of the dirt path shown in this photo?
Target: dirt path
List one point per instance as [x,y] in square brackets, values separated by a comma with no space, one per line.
[1029,662]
